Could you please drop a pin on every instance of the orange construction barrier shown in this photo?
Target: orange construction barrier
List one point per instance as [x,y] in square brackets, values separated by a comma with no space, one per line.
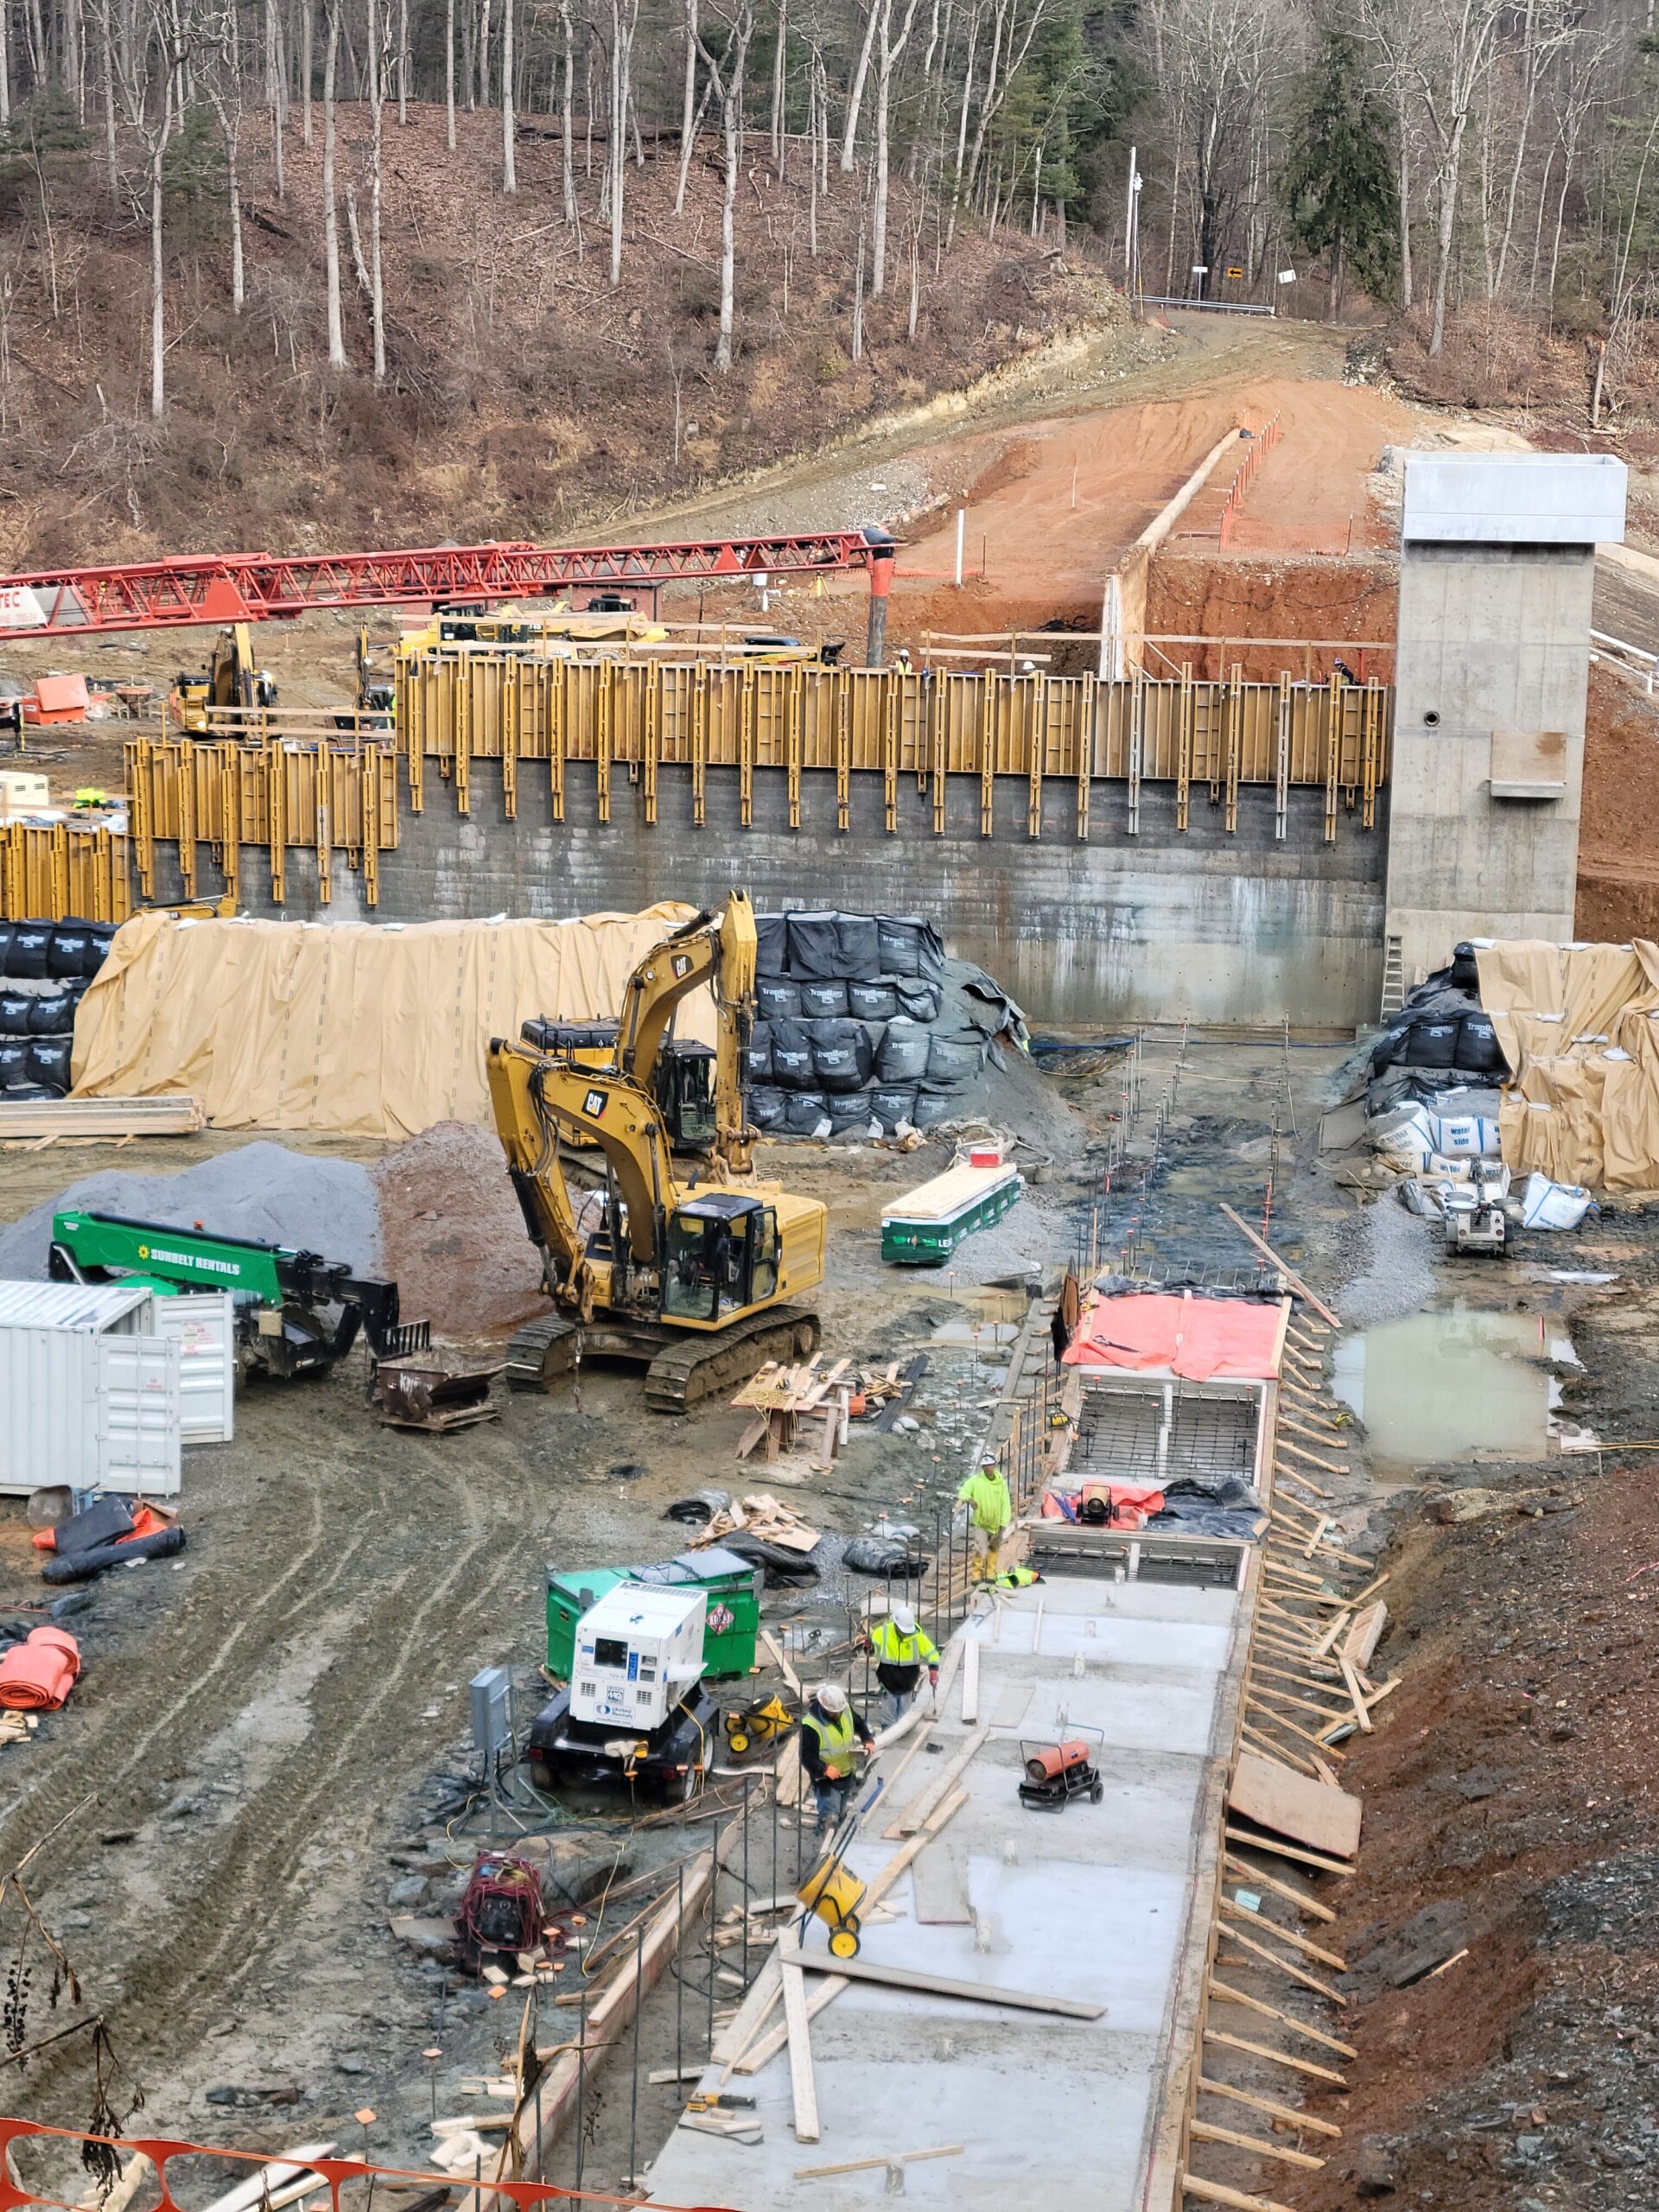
[38,1674]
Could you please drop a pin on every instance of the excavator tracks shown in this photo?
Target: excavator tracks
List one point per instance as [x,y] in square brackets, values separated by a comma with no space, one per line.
[682,1365]
[695,1366]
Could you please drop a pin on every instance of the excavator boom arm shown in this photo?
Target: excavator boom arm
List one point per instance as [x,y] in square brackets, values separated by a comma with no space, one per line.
[720,950]
[534,1098]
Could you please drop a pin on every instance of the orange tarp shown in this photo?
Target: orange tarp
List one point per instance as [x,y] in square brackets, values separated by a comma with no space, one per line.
[37,1675]
[1197,1338]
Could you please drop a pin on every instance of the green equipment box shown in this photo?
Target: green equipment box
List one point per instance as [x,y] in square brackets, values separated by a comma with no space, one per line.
[925,1227]
[731,1585]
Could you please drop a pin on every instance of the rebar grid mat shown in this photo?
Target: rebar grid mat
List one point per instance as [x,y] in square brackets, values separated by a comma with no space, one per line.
[1209,1437]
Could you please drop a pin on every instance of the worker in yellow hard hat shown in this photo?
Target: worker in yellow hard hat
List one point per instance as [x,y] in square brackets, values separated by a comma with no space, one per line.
[985,1494]
[900,1650]
[835,1741]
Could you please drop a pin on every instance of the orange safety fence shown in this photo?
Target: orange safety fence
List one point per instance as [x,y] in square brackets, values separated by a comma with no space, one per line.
[16,2197]
[1263,444]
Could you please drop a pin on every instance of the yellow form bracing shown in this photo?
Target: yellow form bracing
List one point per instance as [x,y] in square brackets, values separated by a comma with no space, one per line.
[1184,748]
[987,757]
[1332,754]
[886,695]
[842,707]
[1036,703]
[1235,714]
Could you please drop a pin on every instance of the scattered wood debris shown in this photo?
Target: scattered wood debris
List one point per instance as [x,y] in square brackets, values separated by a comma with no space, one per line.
[760,1515]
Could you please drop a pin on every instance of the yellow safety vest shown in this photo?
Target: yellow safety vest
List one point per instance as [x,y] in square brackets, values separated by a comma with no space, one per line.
[892,1649]
[836,1740]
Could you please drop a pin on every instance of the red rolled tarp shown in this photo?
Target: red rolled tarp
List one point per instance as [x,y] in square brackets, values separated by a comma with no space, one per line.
[38,1674]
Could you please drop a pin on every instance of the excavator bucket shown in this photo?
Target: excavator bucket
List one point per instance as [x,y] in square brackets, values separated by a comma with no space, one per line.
[427,1391]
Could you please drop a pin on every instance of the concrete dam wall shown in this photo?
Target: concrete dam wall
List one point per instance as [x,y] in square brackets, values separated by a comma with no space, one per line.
[1239,927]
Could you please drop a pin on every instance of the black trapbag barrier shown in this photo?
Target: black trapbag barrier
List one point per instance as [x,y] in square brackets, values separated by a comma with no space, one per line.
[824,1001]
[791,1056]
[778,998]
[771,944]
[893,1103]
[841,1055]
[814,947]
[803,1112]
[904,1052]
[872,1001]
[766,1106]
[757,1053]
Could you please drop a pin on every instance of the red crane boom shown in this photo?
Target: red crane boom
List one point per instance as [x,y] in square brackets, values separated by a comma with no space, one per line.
[208,588]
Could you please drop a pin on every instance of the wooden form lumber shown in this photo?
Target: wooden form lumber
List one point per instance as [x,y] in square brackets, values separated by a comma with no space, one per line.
[921,1807]
[1224,1993]
[50,1118]
[868,2165]
[1232,1909]
[801,2080]
[1279,1849]
[1286,2113]
[1233,1934]
[1204,2131]
[1215,2192]
[752,2059]
[1279,2057]
[939,1984]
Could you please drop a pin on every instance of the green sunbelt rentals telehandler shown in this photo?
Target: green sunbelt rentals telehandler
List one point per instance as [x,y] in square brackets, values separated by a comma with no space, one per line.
[282,1297]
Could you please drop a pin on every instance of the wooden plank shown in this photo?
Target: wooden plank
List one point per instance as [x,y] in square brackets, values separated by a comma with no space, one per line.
[1011,1706]
[1286,2113]
[939,1984]
[1215,2192]
[1231,1908]
[920,1807]
[867,2166]
[1253,1841]
[770,2044]
[1279,2057]
[1310,1813]
[1233,1934]
[938,1885]
[1224,1993]
[1364,1634]
[773,1650]
[1205,2131]
[804,2088]
[763,1992]
[1367,1725]
[1289,1273]
[970,1680]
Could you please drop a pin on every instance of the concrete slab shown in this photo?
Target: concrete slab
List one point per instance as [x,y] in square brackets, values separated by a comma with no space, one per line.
[1091,1903]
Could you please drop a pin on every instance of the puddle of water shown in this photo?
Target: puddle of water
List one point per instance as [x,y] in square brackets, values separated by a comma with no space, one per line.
[1451,1384]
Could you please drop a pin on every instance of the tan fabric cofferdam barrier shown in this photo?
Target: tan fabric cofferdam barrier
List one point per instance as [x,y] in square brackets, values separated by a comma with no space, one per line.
[364,1030]
[1579,1028]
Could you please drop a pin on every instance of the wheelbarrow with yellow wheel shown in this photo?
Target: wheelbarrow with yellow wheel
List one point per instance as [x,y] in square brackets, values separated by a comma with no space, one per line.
[835,1893]
[748,1727]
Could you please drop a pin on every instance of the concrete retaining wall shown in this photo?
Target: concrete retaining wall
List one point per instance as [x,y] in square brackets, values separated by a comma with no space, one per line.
[1237,929]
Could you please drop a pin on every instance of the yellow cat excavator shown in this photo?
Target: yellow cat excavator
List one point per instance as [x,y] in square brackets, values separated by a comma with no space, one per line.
[694,1281]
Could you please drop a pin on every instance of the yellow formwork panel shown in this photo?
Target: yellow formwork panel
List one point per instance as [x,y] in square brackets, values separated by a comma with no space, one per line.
[48,871]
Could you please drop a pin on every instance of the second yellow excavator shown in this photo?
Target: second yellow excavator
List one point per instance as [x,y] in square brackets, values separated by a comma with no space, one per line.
[696,1281]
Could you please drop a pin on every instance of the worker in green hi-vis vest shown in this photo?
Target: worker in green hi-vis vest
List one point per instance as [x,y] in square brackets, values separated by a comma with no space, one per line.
[985,1494]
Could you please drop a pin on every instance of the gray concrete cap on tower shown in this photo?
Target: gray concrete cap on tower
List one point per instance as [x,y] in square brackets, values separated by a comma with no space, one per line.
[1543,498]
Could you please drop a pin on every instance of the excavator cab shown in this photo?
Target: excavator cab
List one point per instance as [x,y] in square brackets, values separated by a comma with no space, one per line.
[722,1256]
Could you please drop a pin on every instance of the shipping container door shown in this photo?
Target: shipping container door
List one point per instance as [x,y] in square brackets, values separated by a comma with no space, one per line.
[138,1435]
[204,1329]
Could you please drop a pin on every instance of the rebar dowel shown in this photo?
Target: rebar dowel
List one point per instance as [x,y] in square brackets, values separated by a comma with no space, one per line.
[679,1970]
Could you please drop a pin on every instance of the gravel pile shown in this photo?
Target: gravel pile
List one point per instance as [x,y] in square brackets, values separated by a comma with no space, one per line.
[1398,1275]
[262,1192]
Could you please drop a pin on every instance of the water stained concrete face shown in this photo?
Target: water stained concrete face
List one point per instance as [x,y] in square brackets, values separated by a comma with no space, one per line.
[1452,1383]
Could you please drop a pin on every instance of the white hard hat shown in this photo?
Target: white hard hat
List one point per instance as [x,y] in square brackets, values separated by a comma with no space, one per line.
[831,1697]
[904,1620]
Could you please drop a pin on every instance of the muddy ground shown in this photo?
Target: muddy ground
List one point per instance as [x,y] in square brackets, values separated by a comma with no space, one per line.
[274,1730]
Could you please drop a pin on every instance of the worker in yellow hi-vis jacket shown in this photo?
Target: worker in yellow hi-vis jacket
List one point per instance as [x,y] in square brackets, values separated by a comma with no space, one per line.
[985,1494]
[900,1650]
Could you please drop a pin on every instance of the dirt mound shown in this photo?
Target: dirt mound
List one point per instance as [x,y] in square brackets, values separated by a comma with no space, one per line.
[1618,841]
[452,1233]
[1214,596]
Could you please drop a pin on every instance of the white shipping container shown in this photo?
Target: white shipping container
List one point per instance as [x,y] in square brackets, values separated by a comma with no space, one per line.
[92,1387]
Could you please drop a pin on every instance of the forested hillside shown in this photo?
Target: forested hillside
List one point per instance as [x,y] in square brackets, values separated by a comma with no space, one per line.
[298,270]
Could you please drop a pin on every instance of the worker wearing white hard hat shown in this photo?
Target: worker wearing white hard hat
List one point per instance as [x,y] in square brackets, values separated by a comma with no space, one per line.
[900,1651]
[835,1739]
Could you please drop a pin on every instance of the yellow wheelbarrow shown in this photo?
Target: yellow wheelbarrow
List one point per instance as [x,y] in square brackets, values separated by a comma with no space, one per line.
[748,1727]
[834,1894]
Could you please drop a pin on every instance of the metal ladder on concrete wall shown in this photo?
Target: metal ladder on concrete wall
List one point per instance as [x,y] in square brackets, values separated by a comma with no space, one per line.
[1394,976]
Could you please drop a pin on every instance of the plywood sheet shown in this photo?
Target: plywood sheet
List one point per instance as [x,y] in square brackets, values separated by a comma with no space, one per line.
[938,1883]
[1290,1804]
